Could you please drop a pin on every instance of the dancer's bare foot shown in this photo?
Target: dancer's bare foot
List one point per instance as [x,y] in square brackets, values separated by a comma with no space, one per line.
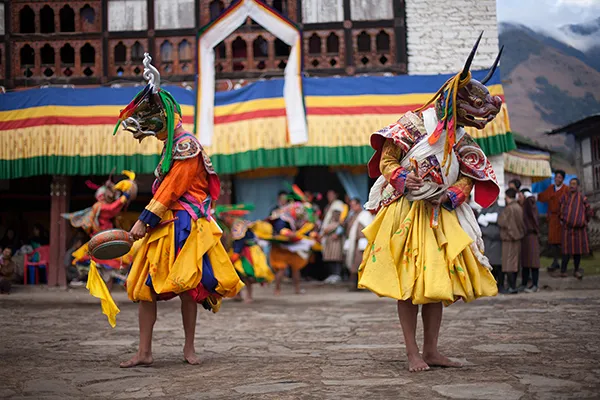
[416,363]
[190,356]
[277,292]
[248,300]
[300,291]
[138,360]
[438,360]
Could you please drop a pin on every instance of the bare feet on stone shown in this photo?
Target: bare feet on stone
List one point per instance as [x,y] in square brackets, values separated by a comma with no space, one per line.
[190,356]
[438,360]
[416,363]
[139,360]
[277,292]
[248,300]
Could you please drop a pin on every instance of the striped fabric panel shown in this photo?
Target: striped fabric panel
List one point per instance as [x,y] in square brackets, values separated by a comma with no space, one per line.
[196,209]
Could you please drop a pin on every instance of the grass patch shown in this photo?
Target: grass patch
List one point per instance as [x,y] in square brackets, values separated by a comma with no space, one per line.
[591,264]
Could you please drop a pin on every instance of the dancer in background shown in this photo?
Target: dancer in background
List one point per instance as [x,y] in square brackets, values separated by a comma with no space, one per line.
[111,199]
[248,258]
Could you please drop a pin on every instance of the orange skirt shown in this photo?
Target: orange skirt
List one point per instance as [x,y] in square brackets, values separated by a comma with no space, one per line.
[282,258]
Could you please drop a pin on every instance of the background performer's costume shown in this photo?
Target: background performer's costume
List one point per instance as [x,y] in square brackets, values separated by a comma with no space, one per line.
[248,258]
[417,251]
[182,252]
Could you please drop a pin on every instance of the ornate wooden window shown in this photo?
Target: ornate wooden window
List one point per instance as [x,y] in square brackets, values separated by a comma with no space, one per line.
[324,50]
[374,48]
[126,56]
[27,61]
[47,19]
[26,20]
[48,60]
[67,19]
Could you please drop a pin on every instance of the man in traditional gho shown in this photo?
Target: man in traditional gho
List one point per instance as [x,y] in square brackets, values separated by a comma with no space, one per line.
[575,213]
[552,196]
[248,258]
[332,236]
[180,253]
[530,247]
[425,245]
[110,200]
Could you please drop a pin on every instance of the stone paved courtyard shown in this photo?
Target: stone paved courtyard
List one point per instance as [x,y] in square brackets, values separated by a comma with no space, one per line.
[326,344]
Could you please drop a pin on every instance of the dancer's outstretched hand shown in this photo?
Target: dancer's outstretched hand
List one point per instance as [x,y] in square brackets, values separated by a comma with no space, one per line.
[440,200]
[139,230]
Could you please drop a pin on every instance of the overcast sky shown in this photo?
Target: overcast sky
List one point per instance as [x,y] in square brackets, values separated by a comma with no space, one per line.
[547,14]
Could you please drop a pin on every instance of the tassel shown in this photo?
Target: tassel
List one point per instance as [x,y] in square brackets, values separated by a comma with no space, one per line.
[92,185]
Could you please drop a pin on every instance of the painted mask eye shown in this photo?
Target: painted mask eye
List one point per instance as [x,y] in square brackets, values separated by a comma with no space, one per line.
[478,102]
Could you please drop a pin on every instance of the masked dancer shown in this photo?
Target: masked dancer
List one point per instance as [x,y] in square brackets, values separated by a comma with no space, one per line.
[180,253]
[425,245]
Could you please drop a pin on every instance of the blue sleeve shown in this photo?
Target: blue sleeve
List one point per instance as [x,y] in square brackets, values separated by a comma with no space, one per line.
[278,225]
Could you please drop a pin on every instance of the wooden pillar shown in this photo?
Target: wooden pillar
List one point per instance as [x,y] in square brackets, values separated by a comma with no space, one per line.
[59,189]
[63,205]
[52,270]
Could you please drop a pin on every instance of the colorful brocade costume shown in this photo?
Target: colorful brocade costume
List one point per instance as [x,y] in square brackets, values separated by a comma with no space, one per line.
[288,230]
[418,249]
[406,257]
[182,250]
[100,217]
[184,253]
[247,257]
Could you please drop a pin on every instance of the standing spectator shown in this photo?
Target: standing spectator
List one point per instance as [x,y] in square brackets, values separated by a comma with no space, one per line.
[575,213]
[552,196]
[488,221]
[516,184]
[332,236]
[530,247]
[356,242]
[512,231]
[7,271]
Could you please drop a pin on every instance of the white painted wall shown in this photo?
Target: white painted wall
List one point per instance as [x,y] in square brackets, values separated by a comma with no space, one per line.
[440,34]
[322,11]
[127,15]
[2,19]
[174,14]
[370,10]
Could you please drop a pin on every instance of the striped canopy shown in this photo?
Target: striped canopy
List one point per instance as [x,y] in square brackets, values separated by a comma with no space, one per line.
[69,131]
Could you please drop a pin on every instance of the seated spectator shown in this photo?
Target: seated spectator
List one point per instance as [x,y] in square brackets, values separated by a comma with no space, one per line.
[7,271]
[39,237]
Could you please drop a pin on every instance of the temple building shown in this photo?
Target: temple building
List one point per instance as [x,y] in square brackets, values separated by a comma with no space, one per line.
[276,90]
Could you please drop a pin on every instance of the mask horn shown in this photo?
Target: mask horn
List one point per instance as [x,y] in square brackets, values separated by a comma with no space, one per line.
[151,74]
[493,69]
[467,66]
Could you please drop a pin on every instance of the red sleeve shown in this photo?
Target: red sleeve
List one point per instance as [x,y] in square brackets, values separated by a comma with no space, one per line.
[111,210]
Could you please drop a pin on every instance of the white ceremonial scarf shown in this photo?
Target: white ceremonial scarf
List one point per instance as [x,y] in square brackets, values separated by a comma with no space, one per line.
[431,190]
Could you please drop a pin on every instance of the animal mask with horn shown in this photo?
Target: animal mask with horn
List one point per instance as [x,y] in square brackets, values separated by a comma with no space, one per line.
[152,112]
[463,101]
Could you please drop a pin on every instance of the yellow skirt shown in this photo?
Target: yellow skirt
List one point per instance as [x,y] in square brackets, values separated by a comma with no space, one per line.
[282,258]
[252,265]
[170,274]
[407,259]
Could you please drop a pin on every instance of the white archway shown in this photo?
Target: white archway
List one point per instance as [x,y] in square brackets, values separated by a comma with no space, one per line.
[215,32]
